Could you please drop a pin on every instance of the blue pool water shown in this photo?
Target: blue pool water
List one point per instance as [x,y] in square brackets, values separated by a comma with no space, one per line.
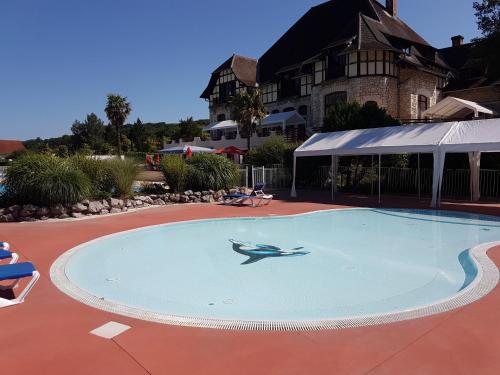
[325,265]
[2,188]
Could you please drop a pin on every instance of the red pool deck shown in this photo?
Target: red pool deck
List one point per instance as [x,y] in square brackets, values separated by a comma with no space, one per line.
[49,332]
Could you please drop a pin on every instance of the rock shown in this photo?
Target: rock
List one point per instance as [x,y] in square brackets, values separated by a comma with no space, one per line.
[116,203]
[14,210]
[27,210]
[197,194]
[233,191]
[42,211]
[206,198]
[79,207]
[188,192]
[104,212]
[129,203]
[193,197]
[77,215]
[95,207]
[138,202]
[124,209]
[7,218]
[44,218]
[27,219]
[105,204]
[63,216]
[159,202]
[86,202]
[184,199]
[2,210]
[57,210]
[115,210]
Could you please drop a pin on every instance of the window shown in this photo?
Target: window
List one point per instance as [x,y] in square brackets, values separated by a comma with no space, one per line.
[224,88]
[332,99]
[371,103]
[423,104]
[319,72]
[269,93]
[370,63]
[221,117]
[305,85]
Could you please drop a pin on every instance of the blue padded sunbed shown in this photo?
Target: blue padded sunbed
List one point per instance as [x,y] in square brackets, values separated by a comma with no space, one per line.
[16,272]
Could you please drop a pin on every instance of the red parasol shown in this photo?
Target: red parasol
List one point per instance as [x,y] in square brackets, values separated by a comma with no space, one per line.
[157,159]
[189,153]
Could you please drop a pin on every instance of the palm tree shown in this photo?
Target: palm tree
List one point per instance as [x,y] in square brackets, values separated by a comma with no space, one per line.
[247,107]
[117,111]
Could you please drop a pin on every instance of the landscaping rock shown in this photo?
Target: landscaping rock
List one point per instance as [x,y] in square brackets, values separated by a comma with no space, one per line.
[57,210]
[95,207]
[86,202]
[77,215]
[206,198]
[104,212]
[138,202]
[188,192]
[197,194]
[44,218]
[27,210]
[63,216]
[79,207]
[184,199]
[124,209]
[105,204]
[113,202]
[42,211]
[115,210]
[159,202]
[7,218]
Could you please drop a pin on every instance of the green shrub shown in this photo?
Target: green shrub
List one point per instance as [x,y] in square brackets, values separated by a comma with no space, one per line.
[98,172]
[274,151]
[209,171]
[123,174]
[174,169]
[45,180]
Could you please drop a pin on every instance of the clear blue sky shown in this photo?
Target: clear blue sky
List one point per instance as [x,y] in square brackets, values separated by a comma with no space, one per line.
[59,58]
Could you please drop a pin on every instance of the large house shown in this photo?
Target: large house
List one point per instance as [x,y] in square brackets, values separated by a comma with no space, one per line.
[341,50]
[7,147]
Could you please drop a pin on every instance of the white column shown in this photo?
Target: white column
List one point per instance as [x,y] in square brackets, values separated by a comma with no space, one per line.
[475,168]
[293,193]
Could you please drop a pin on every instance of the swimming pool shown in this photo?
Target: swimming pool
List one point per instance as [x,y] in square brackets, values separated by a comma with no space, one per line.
[325,269]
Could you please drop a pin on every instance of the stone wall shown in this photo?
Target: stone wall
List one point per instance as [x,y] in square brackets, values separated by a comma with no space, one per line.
[413,84]
[85,208]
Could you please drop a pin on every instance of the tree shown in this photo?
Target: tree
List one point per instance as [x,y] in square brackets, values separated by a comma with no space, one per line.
[90,132]
[62,151]
[188,129]
[247,107]
[488,16]
[274,151]
[350,115]
[138,135]
[487,48]
[117,110]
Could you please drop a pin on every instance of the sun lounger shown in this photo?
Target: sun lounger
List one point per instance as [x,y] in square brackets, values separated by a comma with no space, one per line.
[257,197]
[4,254]
[4,245]
[14,273]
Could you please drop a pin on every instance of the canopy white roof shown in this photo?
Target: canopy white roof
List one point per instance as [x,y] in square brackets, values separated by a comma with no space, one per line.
[474,136]
[283,118]
[423,138]
[450,107]
[221,125]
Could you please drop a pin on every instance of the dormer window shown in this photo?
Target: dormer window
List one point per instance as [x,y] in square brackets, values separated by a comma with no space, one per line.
[305,85]
[370,63]
[269,93]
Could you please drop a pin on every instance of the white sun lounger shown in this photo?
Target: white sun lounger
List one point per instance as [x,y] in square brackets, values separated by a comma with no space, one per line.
[14,273]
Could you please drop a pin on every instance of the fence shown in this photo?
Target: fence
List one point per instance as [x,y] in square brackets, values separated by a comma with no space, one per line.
[406,181]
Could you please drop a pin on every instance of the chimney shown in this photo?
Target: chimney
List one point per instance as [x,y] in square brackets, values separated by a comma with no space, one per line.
[457,40]
[392,7]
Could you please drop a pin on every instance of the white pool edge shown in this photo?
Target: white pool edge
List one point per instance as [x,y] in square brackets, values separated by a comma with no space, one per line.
[486,280]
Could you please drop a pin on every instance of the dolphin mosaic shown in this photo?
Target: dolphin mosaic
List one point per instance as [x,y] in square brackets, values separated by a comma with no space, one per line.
[258,252]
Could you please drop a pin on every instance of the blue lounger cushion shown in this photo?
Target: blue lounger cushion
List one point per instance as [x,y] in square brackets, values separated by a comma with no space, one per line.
[4,254]
[235,196]
[16,271]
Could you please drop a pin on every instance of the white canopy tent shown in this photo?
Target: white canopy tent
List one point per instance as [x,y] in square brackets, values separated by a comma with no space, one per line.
[451,107]
[437,139]
[221,125]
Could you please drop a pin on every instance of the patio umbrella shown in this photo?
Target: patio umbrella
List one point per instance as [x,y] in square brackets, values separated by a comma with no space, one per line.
[189,153]
[183,150]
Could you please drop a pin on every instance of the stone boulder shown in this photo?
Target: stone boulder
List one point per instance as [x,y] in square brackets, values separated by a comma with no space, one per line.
[95,207]
[115,210]
[57,210]
[116,203]
[78,207]
[77,215]
[27,210]
[43,211]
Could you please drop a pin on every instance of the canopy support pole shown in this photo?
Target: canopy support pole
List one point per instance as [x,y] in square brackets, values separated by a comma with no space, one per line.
[379,177]
[475,180]
[371,179]
[437,177]
[293,193]
[333,175]
[418,175]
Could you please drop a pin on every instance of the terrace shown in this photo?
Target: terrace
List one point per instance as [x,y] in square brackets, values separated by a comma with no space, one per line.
[458,341]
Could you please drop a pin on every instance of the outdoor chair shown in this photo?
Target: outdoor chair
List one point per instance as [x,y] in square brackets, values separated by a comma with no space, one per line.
[14,273]
[257,197]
